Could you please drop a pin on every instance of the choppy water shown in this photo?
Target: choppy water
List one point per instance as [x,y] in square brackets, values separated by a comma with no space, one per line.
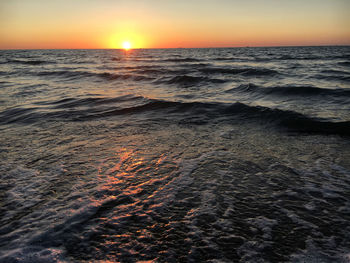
[191,155]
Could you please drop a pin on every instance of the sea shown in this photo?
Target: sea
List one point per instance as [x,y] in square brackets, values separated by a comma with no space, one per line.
[175,155]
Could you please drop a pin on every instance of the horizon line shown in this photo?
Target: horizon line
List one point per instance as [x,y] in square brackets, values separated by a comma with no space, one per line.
[247,46]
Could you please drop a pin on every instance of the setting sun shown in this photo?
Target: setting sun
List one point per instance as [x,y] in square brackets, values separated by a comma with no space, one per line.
[126,45]
[125,39]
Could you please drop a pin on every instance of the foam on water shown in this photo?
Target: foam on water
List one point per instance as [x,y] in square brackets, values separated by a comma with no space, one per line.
[33,254]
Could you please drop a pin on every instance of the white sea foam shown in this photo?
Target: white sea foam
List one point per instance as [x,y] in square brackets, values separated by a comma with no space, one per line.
[33,254]
[314,254]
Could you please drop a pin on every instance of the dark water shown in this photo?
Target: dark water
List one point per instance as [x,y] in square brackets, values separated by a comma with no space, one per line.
[189,155]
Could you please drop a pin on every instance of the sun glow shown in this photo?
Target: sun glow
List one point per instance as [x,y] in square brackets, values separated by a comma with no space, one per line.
[126,40]
[126,45]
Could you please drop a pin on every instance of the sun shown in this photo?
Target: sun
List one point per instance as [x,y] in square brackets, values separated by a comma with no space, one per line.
[126,45]
[125,40]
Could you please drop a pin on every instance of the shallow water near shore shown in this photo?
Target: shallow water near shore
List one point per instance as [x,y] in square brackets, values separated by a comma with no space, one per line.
[190,155]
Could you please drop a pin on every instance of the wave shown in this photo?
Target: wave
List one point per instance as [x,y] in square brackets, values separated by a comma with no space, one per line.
[72,102]
[225,59]
[28,62]
[344,56]
[65,110]
[85,74]
[299,57]
[240,71]
[291,120]
[290,57]
[286,57]
[175,60]
[333,77]
[270,57]
[335,72]
[18,115]
[186,80]
[182,60]
[195,66]
[236,59]
[344,63]
[150,71]
[291,90]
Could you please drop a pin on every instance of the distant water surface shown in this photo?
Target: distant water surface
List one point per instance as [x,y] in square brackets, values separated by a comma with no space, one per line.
[190,155]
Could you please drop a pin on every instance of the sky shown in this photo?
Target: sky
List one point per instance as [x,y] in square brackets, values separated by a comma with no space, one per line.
[49,24]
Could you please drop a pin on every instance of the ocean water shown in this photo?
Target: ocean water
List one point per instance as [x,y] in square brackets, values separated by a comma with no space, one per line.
[179,155]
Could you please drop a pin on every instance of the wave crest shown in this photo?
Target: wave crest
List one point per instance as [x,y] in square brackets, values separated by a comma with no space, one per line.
[68,110]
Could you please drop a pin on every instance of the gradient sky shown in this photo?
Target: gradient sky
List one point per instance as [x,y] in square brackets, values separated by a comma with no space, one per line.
[172,23]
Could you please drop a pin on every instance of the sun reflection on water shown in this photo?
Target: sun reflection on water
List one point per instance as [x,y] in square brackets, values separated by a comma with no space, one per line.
[131,192]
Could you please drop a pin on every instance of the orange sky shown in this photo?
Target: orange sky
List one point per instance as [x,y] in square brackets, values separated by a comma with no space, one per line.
[170,24]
